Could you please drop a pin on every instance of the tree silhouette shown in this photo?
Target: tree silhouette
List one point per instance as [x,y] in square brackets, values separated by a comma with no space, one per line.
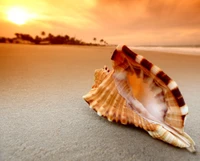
[17,35]
[37,40]
[105,42]
[43,33]
[67,38]
[50,35]
[2,39]
[50,38]
[101,41]
[47,39]
[95,39]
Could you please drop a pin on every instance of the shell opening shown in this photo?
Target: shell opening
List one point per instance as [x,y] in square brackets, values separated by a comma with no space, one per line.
[140,95]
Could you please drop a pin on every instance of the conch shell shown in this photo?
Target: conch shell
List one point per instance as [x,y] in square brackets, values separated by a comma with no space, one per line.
[139,93]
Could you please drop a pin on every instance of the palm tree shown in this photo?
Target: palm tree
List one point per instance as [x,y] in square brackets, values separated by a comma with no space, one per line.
[105,42]
[50,36]
[37,39]
[95,39]
[101,41]
[66,39]
[43,33]
[18,35]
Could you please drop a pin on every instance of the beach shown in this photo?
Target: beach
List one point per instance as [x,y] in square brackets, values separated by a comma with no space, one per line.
[43,115]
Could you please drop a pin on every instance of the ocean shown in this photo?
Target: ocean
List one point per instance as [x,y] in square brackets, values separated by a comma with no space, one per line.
[178,50]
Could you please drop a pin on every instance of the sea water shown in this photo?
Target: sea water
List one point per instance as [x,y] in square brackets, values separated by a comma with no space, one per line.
[178,50]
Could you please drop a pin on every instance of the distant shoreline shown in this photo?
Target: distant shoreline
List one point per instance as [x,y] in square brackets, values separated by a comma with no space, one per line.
[112,45]
[31,44]
[49,39]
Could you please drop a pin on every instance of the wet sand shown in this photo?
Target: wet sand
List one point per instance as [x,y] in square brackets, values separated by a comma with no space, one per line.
[43,115]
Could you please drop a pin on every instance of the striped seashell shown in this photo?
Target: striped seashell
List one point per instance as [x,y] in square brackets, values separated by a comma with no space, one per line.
[139,93]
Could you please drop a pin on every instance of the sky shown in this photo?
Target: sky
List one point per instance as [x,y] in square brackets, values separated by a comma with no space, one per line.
[130,22]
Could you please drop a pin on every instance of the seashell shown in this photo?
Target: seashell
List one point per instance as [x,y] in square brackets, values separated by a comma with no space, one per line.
[139,93]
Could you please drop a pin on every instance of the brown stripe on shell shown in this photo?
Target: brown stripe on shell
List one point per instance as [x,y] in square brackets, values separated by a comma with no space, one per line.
[129,52]
[180,101]
[183,117]
[94,109]
[179,98]
[114,55]
[145,63]
[164,77]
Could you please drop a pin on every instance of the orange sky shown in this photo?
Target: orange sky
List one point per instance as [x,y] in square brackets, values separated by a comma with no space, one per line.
[131,22]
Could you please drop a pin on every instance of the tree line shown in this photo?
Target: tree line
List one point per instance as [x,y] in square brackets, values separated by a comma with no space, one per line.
[49,39]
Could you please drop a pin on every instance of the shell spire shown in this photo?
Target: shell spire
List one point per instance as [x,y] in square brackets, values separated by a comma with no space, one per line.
[139,93]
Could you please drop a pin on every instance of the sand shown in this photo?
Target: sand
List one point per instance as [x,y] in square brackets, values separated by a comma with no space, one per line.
[43,115]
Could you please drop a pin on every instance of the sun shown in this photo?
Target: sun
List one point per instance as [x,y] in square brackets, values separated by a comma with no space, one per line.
[18,15]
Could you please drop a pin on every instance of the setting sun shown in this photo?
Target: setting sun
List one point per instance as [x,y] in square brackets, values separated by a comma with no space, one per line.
[17,15]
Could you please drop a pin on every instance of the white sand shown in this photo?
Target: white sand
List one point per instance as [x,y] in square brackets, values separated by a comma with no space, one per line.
[43,115]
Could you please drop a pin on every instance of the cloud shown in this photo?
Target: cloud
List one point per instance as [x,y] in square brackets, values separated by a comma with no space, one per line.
[148,13]
[147,19]
[126,21]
